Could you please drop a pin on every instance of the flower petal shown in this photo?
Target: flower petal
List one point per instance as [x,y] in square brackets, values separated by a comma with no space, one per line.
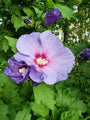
[21,57]
[29,44]
[51,76]
[54,76]
[62,61]
[9,72]
[50,43]
[36,75]
[17,80]
[61,76]
[25,75]
[52,16]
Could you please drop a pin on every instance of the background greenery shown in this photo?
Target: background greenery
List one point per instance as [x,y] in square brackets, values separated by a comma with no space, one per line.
[66,100]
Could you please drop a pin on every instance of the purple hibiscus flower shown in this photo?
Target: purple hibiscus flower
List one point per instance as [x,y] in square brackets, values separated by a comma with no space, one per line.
[85,54]
[18,71]
[52,17]
[48,59]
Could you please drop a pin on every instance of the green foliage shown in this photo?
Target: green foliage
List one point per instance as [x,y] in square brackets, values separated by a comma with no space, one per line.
[3,111]
[39,109]
[71,115]
[24,114]
[5,45]
[65,11]
[17,21]
[12,43]
[28,11]
[66,100]
[43,94]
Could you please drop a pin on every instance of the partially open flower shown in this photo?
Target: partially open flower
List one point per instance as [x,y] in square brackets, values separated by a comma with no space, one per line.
[52,16]
[18,71]
[85,54]
[48,59]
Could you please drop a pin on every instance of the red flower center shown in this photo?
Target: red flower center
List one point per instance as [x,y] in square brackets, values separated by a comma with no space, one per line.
[41,60]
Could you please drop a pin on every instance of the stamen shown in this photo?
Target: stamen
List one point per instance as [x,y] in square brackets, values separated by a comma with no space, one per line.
[41,61]
[21,70]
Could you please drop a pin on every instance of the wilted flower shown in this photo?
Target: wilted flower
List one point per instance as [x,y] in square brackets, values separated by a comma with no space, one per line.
[27,21]
[18,71]
[48,59]
[85,54]
[52,17]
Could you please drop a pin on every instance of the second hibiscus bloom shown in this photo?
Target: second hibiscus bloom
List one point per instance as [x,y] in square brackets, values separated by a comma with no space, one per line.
[48,59]
[52,16]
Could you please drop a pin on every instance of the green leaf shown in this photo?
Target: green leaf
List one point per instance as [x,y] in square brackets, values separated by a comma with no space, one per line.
[38,12]
[7,3]
[39,109]
[85,67]
[71,114]
[9,91]
[40,118]
[63,100]
[12,113]
[15,10]
[3,112]
[28,11]
[5,45]
[44,95]
[80,105]
[24,114]
[78,48]
[17,21]
[49,3]
[65,11]
[12,43]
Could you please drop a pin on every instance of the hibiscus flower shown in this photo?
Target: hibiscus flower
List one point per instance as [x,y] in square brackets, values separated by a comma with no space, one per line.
[52,16]
[85,54]
[18,71]
[46,55]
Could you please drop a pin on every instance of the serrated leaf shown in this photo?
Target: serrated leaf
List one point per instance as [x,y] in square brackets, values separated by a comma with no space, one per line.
[65,11]
[10,91]
[28,11]
[71,114]
[15,9]
[3,112]
[24,114]
[17,21]
[44,95]
[5,45]
[63,100]
[39,109]
[38,12]
[78,104]
[12,43]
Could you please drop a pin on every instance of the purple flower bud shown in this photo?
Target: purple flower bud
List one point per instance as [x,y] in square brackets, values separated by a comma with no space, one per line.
[52,17]
[31,16]
[26,21]
[85,54]
[18,71]
[34,83]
